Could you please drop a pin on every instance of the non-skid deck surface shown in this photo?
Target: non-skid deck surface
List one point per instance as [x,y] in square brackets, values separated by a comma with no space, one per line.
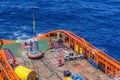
[17,50]
[47,68]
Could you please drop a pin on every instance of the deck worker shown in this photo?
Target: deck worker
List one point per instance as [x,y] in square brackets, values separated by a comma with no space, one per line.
[59,61]
[13,62]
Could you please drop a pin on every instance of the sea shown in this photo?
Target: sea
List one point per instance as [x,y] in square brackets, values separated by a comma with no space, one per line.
[97,21]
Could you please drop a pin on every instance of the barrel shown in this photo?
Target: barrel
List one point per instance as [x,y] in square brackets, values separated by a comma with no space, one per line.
[25,74]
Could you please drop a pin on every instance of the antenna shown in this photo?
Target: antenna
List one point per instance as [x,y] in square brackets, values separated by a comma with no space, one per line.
[34,27]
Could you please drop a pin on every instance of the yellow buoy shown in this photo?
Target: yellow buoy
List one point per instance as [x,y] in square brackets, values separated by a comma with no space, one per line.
[25,74]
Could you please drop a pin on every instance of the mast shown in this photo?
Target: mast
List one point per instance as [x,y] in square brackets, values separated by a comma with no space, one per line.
[34,27]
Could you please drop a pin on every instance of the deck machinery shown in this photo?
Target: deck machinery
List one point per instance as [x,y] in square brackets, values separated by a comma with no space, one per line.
[95,61]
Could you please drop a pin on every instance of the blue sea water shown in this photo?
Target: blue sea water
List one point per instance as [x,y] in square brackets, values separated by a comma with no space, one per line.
[97,21]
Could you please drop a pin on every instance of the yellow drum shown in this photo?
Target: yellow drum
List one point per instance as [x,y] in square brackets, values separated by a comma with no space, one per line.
[25,74]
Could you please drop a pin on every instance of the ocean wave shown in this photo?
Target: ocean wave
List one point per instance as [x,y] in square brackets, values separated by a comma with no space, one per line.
[39,34]
[16,33]
[1,20]
[23,37]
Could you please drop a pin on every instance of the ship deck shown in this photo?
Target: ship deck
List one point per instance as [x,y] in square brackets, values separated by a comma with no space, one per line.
[47,67]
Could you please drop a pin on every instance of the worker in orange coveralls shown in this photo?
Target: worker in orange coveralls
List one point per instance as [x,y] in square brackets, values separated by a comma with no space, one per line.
[59,61]
[13,62]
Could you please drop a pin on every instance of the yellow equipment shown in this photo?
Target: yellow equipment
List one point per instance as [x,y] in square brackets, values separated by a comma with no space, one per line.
[25,74]
[81,51]
[76,48]
[67,78]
